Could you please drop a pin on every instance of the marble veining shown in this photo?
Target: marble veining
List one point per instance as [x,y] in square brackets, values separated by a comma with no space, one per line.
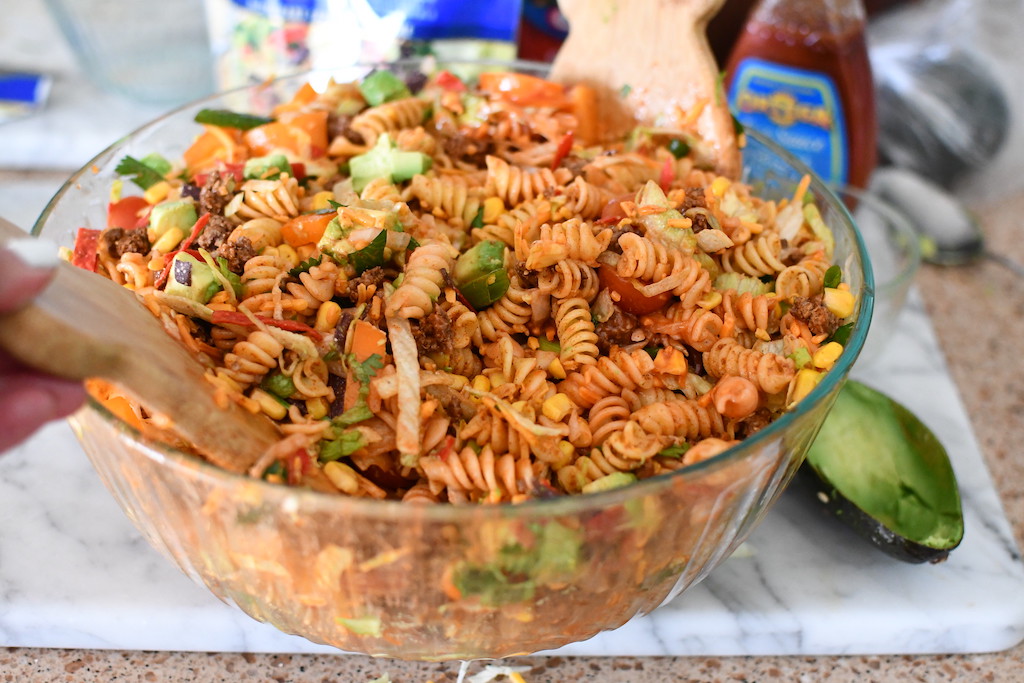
[74,572]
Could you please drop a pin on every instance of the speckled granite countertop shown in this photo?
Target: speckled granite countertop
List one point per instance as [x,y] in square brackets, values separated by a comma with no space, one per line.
[978,313]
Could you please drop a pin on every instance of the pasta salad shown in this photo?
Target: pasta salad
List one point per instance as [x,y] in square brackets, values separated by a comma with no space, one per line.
[453,291]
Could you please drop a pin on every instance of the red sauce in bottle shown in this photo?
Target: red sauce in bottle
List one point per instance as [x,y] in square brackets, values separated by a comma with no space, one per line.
[809,39]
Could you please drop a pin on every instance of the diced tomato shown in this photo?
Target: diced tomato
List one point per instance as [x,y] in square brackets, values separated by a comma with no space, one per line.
[564,147]
[314,124]
[298,463]
[298,170]
[216,144]
[613,211]
[306,229]
[235,170]
[630,299]
[446,80]
[127,212]
[241,319]
[280,137]
[524,89]
[85,254]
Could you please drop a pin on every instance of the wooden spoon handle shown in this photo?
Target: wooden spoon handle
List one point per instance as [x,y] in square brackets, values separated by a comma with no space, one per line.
[649,62]
[84,325]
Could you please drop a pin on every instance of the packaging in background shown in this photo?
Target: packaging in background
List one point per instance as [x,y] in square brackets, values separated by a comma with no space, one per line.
[542,30]
[253,40]
[22,93]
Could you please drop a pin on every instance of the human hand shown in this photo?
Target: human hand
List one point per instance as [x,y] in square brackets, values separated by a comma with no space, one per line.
[28,398]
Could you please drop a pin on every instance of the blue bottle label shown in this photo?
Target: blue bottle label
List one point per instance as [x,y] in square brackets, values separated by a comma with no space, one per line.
[799,109]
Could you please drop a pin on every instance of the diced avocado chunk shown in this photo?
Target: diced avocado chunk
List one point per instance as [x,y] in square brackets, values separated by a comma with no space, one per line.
[480,273]
[269,167]
[609,482]
[179,213]
[383,86]
[386,161]
[191,278]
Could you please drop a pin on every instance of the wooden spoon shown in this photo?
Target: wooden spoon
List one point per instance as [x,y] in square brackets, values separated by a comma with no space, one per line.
[657,52]
[84,325]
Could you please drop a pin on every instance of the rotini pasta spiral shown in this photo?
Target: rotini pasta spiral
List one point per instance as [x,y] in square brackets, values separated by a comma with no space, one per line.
[423,279]
[514,185]
[770,372]
[389,117]
[756,258]
[575,333]
[277,199]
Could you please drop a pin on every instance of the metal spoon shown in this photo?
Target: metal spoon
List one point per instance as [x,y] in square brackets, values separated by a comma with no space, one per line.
[950,235]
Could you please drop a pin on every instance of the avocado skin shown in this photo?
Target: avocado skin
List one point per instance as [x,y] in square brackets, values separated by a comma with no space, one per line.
[832,503]
[868,435]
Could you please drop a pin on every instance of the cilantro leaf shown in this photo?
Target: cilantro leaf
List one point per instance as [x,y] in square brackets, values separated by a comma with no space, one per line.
[842,334]
[833,276]
[478,219]
[366,370]
[305,266]
[142,175]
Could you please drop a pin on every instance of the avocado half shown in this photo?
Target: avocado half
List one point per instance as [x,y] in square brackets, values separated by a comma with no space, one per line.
[877,468]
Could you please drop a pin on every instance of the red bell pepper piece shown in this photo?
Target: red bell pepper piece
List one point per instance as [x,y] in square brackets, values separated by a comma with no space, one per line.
[241,319]
[564,147]
[86,252]
[668,174]
[446,80]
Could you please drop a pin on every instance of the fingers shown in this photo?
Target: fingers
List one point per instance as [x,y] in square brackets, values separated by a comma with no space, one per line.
[26,266]
[29,400]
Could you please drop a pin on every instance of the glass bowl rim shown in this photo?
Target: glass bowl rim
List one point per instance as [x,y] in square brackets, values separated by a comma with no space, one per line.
[194,465]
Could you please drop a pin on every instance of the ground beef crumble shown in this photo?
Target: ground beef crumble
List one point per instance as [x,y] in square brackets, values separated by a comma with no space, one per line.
[216,194]
[434,333]
[236,253]
[216,232]
[813,311]
[374,277]
[120,241]
[617,330]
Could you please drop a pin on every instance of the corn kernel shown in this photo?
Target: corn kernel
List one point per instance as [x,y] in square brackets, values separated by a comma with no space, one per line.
[169,240]
[567,449]
[719,185]
[556,369]
[156,264]
[839,302]
[493,207]
[826,356]
[556,407]
[710,300]
[158,192]
[327,316]
[805,381]
[520,406]
[322,200]
[269,405]
[342,476]
[316,408]
[497,379]
[481,383]
[288,254]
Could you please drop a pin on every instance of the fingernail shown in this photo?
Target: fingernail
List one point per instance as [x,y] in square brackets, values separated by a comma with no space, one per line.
[34,252]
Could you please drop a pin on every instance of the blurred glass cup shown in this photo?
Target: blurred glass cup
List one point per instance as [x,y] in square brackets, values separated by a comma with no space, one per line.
[895,254]
[152,52]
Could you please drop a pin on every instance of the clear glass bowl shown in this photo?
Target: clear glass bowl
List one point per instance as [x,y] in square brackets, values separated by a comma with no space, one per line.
[383,577]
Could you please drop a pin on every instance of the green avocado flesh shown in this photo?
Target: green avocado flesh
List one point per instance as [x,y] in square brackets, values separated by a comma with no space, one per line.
[883,472]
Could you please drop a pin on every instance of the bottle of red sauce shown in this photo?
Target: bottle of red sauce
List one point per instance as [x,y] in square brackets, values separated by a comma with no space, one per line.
[799,73]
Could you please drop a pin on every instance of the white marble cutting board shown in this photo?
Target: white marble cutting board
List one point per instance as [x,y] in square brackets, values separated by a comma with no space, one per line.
[74,573]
